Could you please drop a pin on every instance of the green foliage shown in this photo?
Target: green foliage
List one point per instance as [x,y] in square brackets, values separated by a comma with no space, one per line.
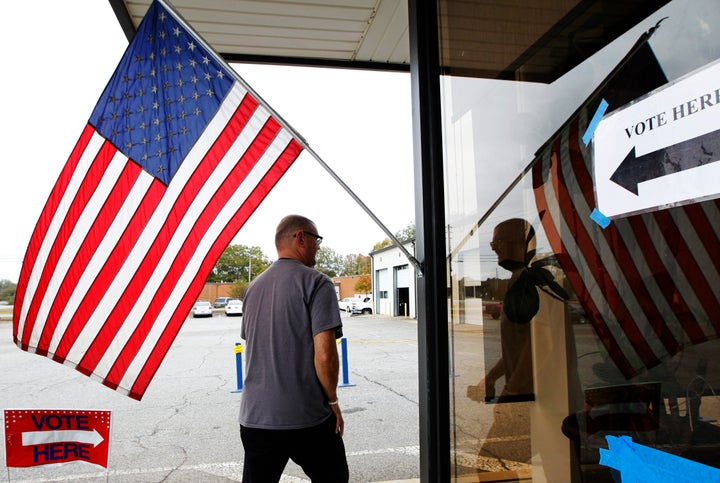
[407,233]
[7,291]
[238,289]
[239,263]
[356,264]
[329,262]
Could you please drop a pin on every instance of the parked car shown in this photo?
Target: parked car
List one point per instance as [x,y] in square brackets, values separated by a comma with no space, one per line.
[362,306]
[202,308]
[345,303]
[494,309]
[234,307]
[221,302]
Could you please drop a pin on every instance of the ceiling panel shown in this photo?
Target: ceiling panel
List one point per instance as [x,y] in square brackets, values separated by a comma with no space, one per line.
[529,40]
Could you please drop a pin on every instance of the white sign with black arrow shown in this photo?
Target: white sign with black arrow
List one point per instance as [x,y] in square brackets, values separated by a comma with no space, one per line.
[661,150]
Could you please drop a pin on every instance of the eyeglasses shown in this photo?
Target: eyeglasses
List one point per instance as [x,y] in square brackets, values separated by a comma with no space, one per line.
[318,238]
[494,243]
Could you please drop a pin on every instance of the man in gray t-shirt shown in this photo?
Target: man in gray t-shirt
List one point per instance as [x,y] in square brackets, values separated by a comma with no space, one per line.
[289,406]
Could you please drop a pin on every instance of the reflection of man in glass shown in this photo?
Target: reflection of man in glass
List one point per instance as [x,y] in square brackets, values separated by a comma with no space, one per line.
[531,323]
[514,243]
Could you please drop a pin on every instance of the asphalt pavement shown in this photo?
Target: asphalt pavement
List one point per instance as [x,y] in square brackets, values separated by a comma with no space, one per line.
[185,429]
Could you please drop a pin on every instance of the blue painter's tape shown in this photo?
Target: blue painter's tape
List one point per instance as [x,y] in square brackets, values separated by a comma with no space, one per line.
[599,218]
[642,463]
[590,131]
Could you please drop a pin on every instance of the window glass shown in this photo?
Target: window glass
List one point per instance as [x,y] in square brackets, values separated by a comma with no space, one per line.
[583,233]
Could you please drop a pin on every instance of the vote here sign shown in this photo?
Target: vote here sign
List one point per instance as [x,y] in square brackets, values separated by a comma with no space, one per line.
[35,437]
[661,150]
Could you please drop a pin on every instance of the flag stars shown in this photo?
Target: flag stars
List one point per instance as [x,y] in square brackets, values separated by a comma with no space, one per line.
[171,78]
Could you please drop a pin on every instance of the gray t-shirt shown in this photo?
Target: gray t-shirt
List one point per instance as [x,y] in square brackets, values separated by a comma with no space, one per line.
[283,309]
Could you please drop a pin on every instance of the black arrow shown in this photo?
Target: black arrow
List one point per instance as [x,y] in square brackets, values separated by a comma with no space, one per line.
[685,155]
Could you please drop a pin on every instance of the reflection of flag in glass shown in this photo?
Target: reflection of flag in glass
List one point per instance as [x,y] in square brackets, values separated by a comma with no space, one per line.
[175,158]
[650,283]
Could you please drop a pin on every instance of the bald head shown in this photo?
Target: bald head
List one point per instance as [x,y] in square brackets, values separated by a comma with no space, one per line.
[514,239]
[294,239]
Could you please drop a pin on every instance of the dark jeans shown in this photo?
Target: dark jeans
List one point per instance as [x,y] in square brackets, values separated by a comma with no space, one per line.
[317,450]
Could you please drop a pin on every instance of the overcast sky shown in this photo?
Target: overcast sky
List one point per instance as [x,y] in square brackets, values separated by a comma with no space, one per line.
[60,55]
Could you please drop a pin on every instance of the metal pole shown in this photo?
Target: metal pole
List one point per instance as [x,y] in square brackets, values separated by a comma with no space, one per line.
[345,375]
[238,366]
[295,134]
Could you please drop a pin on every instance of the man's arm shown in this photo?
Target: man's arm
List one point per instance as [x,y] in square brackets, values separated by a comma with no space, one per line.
[327,366]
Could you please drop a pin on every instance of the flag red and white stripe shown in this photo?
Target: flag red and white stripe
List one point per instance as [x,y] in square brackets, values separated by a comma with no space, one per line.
[120,253]
[649,283]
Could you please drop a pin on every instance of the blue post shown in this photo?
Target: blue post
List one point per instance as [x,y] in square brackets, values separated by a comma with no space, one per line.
[345,377]
[238,366]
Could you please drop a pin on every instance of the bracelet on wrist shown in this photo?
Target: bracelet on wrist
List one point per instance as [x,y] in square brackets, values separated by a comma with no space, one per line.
[334,403]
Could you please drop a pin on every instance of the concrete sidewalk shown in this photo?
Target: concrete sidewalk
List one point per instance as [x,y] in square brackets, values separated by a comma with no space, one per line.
[185,429]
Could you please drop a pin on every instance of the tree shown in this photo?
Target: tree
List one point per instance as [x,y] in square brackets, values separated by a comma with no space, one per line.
[7,291]
[329,262]
[239,263]
[407,233]
[238,289]
[356,264]
[363,284]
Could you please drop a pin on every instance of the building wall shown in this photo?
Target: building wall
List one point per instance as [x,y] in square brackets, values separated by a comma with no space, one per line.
[394,282]
[211,291]
[345,286]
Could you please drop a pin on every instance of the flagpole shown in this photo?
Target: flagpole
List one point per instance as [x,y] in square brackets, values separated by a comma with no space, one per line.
[300,139]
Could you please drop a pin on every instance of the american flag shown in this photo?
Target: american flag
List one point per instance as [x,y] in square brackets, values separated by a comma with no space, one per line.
[175,158]
[649,283]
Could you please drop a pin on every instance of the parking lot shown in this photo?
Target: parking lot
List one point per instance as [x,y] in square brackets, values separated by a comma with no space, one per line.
[185,429]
